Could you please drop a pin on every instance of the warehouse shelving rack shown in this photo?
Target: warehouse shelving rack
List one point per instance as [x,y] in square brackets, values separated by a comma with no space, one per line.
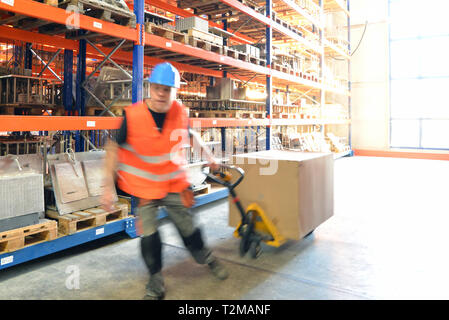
[193,60]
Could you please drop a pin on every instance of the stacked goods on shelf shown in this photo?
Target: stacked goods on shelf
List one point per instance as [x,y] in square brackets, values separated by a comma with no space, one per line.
[298,61]
[250,50]
[190,23]
[333,111]
[335,33]
[337,144]
[77,181]
[196,29]
[21,191]
[311,141]
[115,11]
[112,84]
[311,7]
[289,60]
[155,17]
[331,70]
[166,31]
[312,66]
[227,99]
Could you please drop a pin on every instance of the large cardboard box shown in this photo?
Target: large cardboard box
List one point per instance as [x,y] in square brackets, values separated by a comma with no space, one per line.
[295,189]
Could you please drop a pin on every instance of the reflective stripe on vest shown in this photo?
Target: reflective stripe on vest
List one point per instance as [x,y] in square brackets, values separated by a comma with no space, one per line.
[150,176]
[149,159]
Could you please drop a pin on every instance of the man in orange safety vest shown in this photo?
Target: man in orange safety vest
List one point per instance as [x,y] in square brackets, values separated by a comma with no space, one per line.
[147,157]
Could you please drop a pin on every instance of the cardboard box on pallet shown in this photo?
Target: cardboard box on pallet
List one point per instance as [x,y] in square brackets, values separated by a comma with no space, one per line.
[295,189]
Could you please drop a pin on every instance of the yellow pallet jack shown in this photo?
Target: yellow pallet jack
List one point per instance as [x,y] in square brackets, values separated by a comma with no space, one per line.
[255,227]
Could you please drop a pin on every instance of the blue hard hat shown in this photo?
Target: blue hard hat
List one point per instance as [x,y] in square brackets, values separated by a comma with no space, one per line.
[165,74]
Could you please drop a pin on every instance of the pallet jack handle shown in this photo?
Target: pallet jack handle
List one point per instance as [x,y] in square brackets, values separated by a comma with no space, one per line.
[219,177]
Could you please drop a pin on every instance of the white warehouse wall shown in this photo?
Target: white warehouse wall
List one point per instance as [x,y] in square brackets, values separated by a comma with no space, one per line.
[370,75]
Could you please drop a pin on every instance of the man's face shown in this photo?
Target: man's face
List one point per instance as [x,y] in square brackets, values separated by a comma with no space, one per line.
[161,97]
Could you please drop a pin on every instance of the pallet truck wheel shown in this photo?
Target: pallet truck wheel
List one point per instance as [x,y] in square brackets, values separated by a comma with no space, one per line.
[244,246]
[245,242]
[255,249]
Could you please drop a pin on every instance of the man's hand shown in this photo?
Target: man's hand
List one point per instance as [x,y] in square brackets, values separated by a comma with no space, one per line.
[107,200]
[214,166]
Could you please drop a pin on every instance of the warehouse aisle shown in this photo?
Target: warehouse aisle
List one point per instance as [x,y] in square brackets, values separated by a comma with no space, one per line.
[387,240]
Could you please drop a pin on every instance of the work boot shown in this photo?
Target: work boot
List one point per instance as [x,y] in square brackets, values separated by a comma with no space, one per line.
[218,270]
[155,287]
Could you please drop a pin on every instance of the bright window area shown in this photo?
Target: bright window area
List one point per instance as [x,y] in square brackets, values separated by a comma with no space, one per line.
[419,73]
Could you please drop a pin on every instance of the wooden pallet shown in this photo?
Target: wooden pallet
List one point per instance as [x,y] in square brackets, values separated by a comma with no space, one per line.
[205,45]
[229,52]
[166,33]
[279,67]
[84,219]
[258,61]
[235,54]
[206,36]
[282,115]
[15,239]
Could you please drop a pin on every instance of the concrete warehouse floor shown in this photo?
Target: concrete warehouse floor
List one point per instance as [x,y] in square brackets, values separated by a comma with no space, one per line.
[387,240]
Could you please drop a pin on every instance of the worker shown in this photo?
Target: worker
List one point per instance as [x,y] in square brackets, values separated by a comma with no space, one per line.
[147,159]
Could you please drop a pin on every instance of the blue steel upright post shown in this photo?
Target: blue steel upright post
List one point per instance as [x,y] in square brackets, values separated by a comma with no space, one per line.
[80,92]
[28,57]
[349,80]
[225,74]
[68,80]
[269,104]
[138,51]
[137,81]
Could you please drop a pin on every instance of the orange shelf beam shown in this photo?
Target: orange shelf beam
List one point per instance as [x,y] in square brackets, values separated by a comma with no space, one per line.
[46,12]
[37,38]
[401,154]
[120,55]
[47,123]
[226,122]
[53,123]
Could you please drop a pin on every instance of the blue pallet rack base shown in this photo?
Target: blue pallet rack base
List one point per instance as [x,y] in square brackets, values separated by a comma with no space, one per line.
[127,225]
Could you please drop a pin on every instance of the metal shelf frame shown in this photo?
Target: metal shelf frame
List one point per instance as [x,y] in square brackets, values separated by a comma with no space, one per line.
[138,60]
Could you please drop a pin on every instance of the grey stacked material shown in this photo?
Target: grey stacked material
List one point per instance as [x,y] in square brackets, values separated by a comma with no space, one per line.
[72,186]
[156,18]
[169,26]
[19,221]
[225,89]
[192,23]
[93,170]
[21,194]
[77,183]
[248,49]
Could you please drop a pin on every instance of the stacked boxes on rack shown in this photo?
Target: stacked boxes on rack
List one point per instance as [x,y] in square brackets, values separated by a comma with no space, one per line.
[311,7]
[192,23]
[252,51]
[197,28]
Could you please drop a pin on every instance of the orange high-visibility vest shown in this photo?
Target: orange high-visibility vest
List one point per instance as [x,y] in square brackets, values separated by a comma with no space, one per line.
[150,162]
